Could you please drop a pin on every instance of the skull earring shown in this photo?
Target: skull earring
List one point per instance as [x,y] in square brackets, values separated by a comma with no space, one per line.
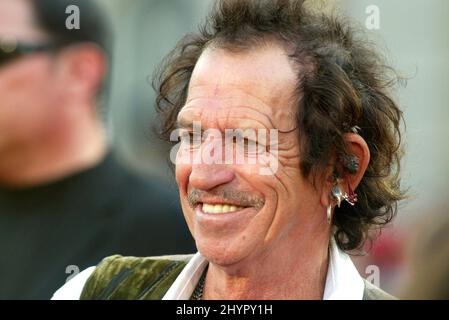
[350,163]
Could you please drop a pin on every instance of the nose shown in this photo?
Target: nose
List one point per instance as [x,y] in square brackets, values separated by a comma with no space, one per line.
[206,177]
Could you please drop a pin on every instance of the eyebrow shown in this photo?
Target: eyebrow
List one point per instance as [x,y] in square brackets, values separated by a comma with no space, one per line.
[188,124]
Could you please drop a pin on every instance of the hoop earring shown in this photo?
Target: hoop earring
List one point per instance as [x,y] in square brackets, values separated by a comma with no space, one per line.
[329,214]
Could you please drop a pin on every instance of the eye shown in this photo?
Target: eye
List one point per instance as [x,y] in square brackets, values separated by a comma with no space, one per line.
[245,144]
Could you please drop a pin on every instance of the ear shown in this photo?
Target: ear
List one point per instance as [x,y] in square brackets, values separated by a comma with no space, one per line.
[357,147]
[83,68]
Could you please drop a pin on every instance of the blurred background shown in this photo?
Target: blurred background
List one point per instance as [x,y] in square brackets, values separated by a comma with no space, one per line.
[412,33]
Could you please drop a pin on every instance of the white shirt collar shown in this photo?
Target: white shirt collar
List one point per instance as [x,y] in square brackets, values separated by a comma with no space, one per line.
[187,280]
[343,281]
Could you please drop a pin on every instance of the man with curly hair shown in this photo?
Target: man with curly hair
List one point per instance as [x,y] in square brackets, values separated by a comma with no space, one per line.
[264,66]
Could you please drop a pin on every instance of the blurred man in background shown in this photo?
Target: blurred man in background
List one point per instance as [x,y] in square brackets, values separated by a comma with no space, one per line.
[65,202]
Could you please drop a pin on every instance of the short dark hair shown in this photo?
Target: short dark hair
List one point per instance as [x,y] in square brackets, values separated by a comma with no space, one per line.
[51,16]
[343,82]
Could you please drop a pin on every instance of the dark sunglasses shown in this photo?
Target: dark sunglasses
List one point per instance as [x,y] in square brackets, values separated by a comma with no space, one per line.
[10,52]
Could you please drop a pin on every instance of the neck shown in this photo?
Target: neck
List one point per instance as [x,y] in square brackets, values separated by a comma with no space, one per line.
[66,150]
[288,272]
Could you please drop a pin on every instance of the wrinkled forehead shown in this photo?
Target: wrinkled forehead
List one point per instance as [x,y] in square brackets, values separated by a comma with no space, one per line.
[229,107]
[17,21]
[257,86]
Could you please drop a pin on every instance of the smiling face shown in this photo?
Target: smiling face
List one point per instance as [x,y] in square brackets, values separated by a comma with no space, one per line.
[234,213]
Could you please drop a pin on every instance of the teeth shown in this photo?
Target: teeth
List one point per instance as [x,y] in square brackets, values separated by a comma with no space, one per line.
[219,208]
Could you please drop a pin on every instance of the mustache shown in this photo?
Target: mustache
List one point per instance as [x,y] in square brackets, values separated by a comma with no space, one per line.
[244,199]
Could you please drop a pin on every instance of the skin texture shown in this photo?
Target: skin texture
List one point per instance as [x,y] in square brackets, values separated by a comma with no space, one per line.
[48,122]
[277,246]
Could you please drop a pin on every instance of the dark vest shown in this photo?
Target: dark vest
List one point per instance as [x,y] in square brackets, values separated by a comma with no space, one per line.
[131,278]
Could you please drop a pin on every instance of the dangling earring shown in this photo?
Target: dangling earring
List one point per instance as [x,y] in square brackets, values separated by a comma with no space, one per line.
[351,198]
[337,194]
[329,214]
[352,164]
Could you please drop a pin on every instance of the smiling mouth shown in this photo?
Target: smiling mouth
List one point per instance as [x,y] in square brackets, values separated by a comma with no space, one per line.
[220,208]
